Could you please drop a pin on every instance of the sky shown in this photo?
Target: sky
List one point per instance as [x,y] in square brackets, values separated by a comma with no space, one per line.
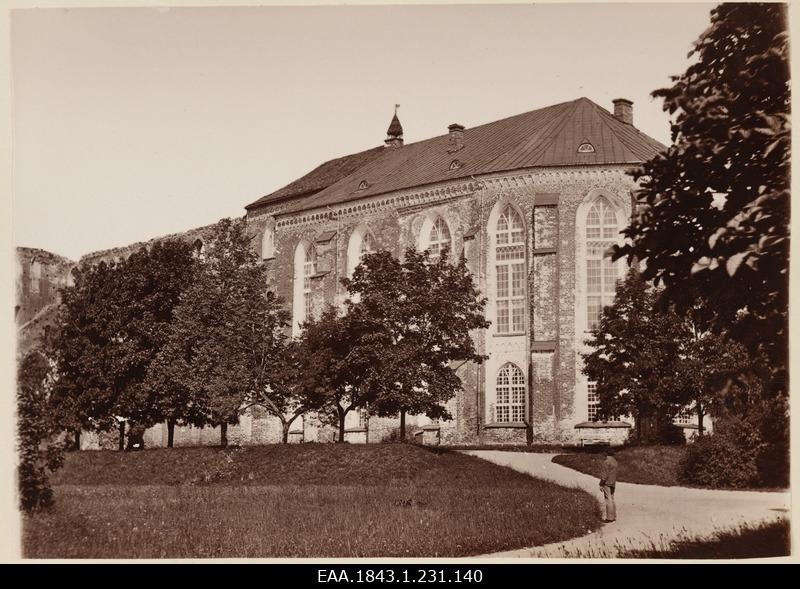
[131,123]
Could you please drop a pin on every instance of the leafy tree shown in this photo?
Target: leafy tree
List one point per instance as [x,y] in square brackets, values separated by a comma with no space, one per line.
[709,364]
[277,384]
[40,452]
[418,315]
[336,365]
[635,356]
[712,220]
[113,323]
[224,337]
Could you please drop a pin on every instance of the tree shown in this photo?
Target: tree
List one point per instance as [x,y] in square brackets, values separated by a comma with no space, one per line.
[336,365]
[712,217]
[709,364]
[113,323]
[635,357]
[40,453]
[418,314]
[225,335]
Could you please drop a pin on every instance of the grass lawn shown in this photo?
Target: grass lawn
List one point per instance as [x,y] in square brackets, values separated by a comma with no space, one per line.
[646,465]
[304,500]
[762,541]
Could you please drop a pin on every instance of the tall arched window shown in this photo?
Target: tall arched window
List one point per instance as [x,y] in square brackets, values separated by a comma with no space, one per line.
[367,246]
[439,238]
[602,232]
[361,243]
[305,266]
[309,269]
[510,271]
[510,390]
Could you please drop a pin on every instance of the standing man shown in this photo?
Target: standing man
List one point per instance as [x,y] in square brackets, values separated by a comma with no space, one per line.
[607,484]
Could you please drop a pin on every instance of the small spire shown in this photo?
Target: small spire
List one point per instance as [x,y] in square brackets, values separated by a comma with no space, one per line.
[395,130]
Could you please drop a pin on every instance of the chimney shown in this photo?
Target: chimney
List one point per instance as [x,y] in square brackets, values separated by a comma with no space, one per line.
[394,135]
[623,110]
[456,137]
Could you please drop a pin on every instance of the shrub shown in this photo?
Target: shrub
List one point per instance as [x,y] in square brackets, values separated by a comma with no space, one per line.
[726,458]
[40,452]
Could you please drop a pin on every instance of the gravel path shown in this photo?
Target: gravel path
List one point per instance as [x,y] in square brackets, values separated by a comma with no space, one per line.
[647,515]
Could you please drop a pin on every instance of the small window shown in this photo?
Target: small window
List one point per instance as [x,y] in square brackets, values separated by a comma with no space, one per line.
[363,185]
[586,147]
[593,401]
[455,164]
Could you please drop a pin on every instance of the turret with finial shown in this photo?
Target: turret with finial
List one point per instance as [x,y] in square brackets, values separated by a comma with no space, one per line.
[394,135]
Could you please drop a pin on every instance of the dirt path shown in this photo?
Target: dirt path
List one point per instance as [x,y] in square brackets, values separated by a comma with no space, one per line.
[647,515]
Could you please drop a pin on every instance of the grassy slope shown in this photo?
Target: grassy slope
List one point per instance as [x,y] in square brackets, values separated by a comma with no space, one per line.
[299,501]
[647,465]
[763,541]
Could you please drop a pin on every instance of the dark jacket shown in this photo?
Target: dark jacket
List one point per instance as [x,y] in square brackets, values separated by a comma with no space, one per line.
[609,476]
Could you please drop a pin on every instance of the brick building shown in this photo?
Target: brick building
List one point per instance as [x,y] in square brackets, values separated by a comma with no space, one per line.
[532,201]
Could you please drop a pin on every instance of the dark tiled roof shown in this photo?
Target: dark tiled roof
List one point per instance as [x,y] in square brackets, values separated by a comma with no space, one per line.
[548,136]
[320,177]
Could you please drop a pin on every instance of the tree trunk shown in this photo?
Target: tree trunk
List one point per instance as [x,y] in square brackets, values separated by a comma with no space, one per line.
[77,445]
[170,433]
[285,433]
[700,429]
[402,425]
[223,434]
[121,436]
[342,415]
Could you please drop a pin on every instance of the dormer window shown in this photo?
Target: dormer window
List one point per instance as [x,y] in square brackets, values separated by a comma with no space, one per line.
[455,164]
[586,147]
[363,185]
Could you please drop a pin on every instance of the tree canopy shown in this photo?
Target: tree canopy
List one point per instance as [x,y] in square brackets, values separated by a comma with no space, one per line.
[112,324]
[419,315]
[712,215]
[225,336]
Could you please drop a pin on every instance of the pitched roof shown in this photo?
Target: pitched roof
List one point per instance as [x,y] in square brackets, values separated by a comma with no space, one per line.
[547,136]
[320,177]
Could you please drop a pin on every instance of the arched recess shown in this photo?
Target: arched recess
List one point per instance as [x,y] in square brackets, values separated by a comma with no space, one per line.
[435,235]
[305,266]
[507,270]
[268,242]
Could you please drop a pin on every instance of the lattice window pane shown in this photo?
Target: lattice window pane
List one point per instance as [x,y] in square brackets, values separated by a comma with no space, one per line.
[510,394]
[518,316]
[502,281]
[593,401]
[518,280]
[502,317]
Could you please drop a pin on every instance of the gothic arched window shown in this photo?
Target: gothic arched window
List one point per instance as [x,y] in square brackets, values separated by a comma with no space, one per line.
[367,246]
[510,271]
[305,266]
[309,269]
[510,393]
[602,232]
[439,238]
